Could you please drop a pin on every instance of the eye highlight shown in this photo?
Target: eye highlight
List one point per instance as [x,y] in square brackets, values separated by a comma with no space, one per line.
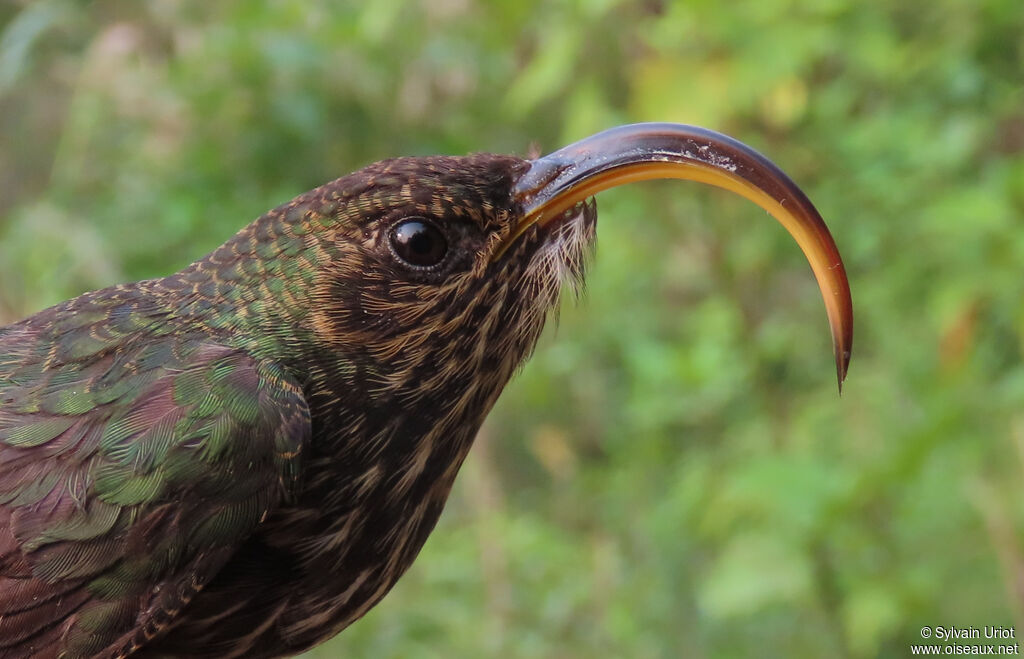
[418,242]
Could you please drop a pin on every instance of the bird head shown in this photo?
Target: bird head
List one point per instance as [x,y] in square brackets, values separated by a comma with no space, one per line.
[436,266]
[445,265]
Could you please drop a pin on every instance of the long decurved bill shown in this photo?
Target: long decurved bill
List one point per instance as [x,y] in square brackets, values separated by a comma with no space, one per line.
[640,152]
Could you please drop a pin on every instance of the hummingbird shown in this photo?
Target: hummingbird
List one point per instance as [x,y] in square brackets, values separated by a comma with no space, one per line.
[242,458]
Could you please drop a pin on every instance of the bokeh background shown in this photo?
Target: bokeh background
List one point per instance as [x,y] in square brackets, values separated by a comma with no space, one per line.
[673,474]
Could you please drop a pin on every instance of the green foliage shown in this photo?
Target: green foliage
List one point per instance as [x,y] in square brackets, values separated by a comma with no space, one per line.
[673,473]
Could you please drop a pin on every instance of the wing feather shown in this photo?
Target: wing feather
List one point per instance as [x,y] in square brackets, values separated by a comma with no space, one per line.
[130,471]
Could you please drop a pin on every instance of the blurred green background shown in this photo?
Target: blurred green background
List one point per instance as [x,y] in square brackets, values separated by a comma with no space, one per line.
[673,473]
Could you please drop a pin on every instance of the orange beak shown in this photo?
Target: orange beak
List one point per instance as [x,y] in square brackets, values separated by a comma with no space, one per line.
[640,152]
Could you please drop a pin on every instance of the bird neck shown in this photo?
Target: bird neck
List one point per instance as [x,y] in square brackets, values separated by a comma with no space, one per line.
[256,291]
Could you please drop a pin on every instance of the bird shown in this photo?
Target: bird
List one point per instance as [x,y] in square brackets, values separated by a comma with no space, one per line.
[240,459]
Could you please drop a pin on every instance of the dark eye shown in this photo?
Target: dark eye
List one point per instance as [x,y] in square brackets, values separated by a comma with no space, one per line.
[419,243]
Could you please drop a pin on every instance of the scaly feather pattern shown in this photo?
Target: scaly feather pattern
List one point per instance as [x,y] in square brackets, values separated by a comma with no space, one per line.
[133,462]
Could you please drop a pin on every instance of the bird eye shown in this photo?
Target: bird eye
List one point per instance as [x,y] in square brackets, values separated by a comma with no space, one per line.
[418,243]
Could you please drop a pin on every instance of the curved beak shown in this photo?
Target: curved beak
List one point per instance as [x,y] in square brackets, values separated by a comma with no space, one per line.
[555,183]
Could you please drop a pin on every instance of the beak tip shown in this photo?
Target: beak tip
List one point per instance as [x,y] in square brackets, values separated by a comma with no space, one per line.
[842,367]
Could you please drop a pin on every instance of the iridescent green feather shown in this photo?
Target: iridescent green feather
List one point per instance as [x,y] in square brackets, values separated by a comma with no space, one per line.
[150,461]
